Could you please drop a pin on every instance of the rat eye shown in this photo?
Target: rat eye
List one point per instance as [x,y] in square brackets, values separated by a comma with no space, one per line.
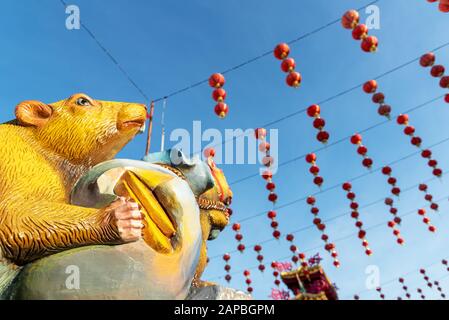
[83,102]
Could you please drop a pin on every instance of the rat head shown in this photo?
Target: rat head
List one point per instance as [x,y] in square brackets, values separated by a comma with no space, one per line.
[81,129]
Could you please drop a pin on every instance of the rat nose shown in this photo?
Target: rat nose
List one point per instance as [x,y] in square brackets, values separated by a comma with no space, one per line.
[228,200]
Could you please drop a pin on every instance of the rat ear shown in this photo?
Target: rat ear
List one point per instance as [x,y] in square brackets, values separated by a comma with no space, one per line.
[33,113]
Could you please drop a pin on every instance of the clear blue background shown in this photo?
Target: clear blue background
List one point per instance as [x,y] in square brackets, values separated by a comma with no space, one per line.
[166,45]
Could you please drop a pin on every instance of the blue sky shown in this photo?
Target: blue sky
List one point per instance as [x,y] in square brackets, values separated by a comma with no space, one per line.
[167,45]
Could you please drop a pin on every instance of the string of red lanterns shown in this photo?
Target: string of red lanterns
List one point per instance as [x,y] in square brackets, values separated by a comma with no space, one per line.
[426,220]
[381,295]
[217,81]
[260,257]
[437,71]
[428,197]
[248,281]
[296,256]
[350,20]
[227,267]
[419,290]
[395,191]
[443,6]
[437,284]
[314,111]
[239,237]
[267,175]
[288,65]
[409,130]
[328,246]
[404,287]
[277,282]
[314,169]
[356,215]
[318,180]
[356,139]
[370,87]
[396,221]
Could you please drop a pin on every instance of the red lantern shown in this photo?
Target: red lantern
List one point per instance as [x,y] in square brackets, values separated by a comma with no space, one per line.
[402,119]
[444,82]
[437,71]
[323,136]
[319,123]
[219,95]
[216,80]
[370,44]
[370,86]
[288,65]
[378,98]
[446,98]
[444,6]
[350,19]
[293,79]
[311,157]
[281,51]
[427,60]
[221,109]
[313,110]
[384,110]
[356,139]
[360,32]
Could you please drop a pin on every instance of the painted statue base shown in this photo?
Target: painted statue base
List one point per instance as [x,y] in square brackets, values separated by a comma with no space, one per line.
[216,292]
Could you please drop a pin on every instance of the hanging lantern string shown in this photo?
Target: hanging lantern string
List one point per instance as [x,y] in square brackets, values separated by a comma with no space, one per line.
[227,267]
[414,271]
[349,236]
[346,213]
[367,162]
[248,281]
[404,287]
[258,250]
[426,220]
[356,216]
[428,197]
[264,147]
[437,71]
[314,111]
[320,225]
[350,20]
[239,237]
